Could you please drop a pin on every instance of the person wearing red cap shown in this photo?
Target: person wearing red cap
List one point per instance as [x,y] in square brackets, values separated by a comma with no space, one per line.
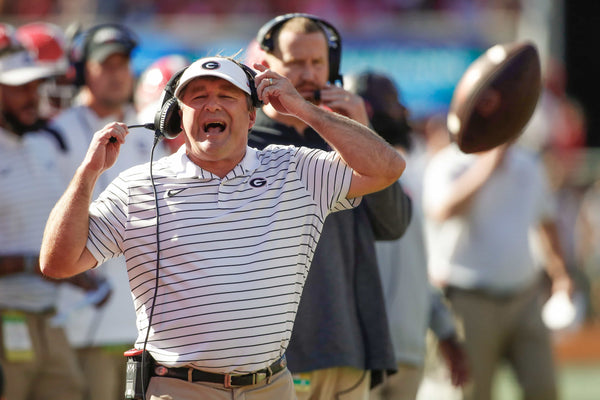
[37,359]
[218,236]
[48,43]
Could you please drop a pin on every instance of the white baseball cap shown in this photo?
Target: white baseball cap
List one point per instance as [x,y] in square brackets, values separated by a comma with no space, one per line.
[17,65]
[220,67]
[20,68]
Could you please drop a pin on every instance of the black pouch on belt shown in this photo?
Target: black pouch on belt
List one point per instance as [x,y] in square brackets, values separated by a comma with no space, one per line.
[137,375]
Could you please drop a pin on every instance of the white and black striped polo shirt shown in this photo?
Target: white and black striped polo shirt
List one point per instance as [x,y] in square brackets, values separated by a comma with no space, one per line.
[234,252]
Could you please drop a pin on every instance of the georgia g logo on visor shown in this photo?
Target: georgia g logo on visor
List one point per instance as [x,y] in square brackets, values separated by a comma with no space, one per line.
[211,65]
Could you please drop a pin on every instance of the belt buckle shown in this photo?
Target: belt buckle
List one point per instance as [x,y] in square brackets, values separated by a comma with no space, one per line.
[227,381]
[259,377]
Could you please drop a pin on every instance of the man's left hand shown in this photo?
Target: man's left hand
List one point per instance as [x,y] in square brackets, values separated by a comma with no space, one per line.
[344,102]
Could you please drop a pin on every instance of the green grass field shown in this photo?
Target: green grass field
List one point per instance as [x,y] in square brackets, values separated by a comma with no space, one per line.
[576,382]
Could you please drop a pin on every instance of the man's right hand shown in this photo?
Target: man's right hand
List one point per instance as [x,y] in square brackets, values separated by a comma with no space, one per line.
[104,147]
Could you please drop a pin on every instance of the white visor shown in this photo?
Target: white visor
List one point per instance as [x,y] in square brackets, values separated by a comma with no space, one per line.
[220,67]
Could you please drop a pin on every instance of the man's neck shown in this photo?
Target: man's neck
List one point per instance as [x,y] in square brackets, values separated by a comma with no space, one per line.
[288,120]
[219,168]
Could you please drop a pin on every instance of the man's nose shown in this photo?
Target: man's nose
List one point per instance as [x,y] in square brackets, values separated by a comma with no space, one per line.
[212,103]
[308,72]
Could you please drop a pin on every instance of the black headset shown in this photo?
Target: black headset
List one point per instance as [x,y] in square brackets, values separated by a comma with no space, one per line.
[167,121]
[79,48]
[334,40]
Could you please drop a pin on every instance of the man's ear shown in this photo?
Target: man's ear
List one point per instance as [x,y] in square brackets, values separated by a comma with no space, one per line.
[252,119]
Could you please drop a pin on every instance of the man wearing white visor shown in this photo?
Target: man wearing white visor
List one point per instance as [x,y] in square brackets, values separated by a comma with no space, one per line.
[218,236]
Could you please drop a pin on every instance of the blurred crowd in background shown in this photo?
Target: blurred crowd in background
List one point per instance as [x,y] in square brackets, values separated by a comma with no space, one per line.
[43,8]
[169,38]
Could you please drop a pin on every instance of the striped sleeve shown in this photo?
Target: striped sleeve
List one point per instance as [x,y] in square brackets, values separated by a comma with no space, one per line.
[108,218]
[326,177]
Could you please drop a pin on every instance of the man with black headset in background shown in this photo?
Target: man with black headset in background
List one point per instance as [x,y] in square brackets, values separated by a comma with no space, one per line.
[101,58]
[341,343]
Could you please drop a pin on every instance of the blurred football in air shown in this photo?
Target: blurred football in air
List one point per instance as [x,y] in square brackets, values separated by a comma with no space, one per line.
[495,97]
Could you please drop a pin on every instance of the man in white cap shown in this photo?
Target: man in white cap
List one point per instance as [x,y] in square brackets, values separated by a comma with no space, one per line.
[219,236]
[36,356]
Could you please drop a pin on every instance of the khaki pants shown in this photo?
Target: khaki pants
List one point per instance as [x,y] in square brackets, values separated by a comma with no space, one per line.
[104,371]
[506,328]
[51,373]
[343,383]
[403,385]
[280,387]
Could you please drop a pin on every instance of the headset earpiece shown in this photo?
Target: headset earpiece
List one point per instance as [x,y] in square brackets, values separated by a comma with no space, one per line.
[167,121]
[251,74]
[266,33]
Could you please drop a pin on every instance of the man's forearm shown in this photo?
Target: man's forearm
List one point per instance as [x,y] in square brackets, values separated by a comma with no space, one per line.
[63,252]
[361,148]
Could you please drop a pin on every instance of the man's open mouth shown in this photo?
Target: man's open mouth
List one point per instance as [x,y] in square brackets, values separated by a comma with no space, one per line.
[214,127]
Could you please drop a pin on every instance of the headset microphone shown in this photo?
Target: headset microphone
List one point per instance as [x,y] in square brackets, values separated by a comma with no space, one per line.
[149,125]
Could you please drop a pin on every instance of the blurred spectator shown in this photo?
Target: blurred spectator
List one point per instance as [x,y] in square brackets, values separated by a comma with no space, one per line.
[587,237]
[558,121]
[412,304]
[36,357]
[47,41]
[101,58]
[480,212]
[148,96]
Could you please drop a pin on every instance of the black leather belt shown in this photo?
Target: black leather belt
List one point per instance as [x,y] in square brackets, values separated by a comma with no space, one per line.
[227,380]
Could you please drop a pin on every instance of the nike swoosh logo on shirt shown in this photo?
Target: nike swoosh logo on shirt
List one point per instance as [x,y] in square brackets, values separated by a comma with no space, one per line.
[174,192]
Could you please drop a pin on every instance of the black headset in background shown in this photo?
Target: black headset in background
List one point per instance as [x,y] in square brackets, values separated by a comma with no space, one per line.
[79,48]
[266,33]
[167,121]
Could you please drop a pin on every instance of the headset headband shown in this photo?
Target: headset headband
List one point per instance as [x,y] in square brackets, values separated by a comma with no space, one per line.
[334,40]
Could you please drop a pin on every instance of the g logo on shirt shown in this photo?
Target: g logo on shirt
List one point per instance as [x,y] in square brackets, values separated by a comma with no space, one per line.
[258,182]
